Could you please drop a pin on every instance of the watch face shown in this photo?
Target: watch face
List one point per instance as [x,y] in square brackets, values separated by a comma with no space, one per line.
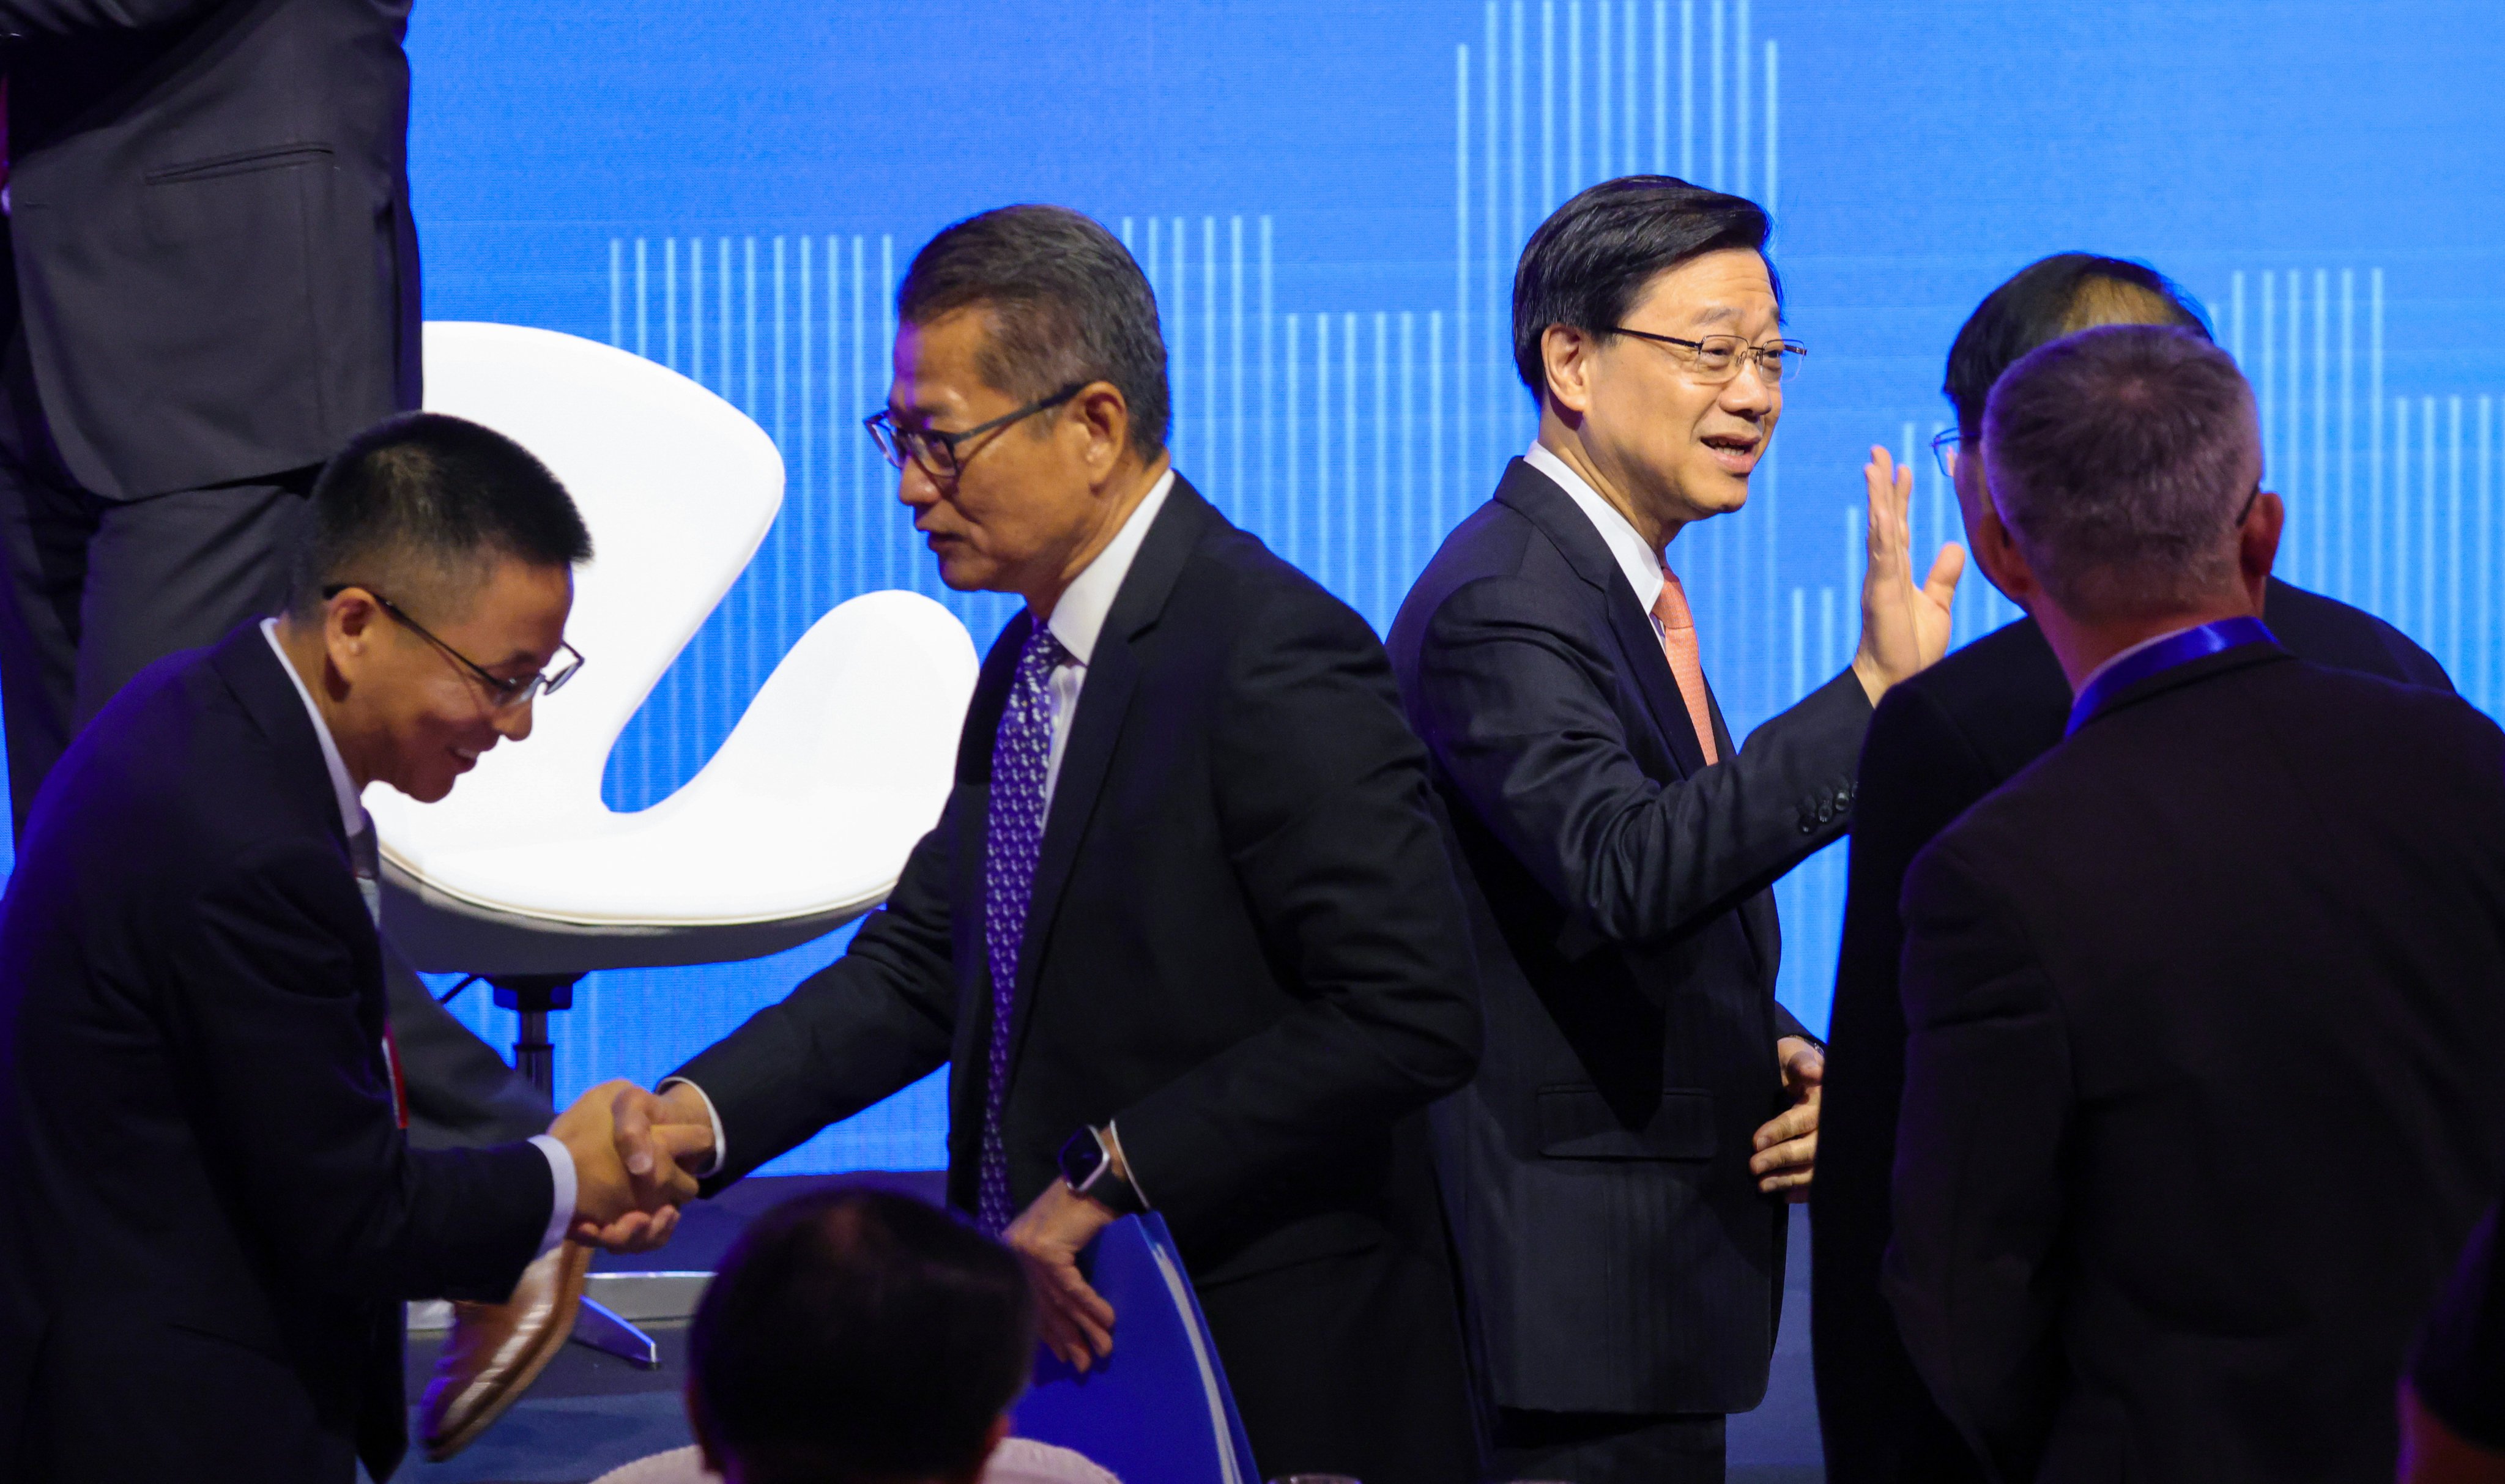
[1081,1158]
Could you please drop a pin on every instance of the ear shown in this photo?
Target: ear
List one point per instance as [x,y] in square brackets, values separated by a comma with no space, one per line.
[1567,355]
[350,630]
[2001,560]
[2257,546]
[1104,419]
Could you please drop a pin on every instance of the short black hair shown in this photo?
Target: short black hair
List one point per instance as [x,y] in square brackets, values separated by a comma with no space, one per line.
[2043,301]
[1069,307]
[422,505]
[1587,264]
[858,1334]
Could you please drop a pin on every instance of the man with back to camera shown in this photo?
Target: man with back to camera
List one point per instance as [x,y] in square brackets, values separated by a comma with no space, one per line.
[1939,743]
[2198,1100]
[213,1215]
[1611,1170]
[1184,933]
[858,1334]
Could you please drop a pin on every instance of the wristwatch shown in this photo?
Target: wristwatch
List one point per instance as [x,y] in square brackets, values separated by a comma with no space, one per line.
[1087,1168]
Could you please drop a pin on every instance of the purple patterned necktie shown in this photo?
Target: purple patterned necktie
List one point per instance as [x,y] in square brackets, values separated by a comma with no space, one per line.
[1012,836]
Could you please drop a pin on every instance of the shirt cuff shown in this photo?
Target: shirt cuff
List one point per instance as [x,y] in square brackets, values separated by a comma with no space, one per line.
[561,1205]
[1115,1135]
[721,1144]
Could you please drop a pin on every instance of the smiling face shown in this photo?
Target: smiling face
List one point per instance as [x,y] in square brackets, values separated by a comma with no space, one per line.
[1679,446]
[405,713]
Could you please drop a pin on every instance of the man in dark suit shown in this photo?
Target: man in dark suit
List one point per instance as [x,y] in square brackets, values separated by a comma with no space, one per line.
[1610,1169]
[2198,1100]
[209,282]
[213,1216]
[1184,933]
[1938,743]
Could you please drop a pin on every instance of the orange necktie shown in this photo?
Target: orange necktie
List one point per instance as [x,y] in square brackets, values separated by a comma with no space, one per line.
[1678,646]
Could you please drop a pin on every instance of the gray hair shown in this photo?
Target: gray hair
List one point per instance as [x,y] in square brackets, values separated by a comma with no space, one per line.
[2120,458]
[1069,307]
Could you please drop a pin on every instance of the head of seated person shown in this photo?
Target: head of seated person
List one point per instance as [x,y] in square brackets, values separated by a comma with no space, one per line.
[428,603]
[858,1337]
[2124,469]
[2046,300]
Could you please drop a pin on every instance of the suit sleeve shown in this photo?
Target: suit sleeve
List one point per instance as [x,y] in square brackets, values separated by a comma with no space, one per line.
[1518,710]
[297,1103]
[1323,808]
[1979,1203]
[1919,771]
[867,1025]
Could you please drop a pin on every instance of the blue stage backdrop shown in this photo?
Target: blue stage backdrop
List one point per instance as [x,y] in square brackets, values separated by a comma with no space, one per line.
[1329,199]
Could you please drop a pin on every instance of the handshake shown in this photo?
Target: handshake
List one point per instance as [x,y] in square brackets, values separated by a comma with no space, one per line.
[635,1154]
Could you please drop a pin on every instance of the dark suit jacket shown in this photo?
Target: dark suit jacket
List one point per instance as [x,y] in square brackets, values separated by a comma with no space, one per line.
[1941,741]
[1617,1254]
[215,270]
[211,1220]
[1243,943]
[2199,1091]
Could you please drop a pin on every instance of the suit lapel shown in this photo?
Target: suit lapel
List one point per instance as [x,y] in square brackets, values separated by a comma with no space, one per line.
[256,676]
[1554,512]
[1104,705]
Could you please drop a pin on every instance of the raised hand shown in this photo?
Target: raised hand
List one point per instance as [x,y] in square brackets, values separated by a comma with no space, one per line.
[611,1209]
[1904,628]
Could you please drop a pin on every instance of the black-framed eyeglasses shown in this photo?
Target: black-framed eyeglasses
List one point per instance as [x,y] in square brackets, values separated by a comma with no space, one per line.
[506,694]
[1944,449]
[936,451]
[1718,357]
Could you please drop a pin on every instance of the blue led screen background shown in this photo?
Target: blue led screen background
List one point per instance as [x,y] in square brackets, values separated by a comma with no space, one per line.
[1329,199]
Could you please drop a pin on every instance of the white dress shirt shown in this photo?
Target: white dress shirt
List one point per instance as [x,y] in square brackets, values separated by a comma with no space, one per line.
[352,818]
[1077,620]
[1641,564]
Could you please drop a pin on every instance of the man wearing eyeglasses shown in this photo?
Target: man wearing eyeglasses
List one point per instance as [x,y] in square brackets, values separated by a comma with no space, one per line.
[1184,933]
[1618,1171]
[214,1214]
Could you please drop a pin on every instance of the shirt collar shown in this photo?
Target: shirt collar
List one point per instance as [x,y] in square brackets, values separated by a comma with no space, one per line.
[2088,680]
[1641,564]
[1079,616]
[352,814]
[2158,655]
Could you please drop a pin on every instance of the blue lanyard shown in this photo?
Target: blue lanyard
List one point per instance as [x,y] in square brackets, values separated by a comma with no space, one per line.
[2165,654]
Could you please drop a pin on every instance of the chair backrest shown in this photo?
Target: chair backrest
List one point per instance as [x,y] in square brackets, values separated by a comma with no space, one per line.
[1158,1407]
[679,488]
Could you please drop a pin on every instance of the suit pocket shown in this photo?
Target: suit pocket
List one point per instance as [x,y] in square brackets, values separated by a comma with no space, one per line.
[252,194]
[1576,1122]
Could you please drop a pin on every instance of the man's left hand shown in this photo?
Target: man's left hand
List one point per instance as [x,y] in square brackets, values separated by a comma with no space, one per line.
[1787,1147]
[1075,1321]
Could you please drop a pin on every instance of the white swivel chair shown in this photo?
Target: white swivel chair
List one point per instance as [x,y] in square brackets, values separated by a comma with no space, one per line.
[803,818]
